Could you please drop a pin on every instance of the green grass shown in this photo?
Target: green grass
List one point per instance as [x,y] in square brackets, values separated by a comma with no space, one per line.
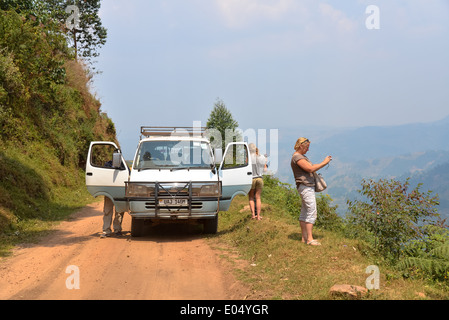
[270,258]
[30,230]
[36,192]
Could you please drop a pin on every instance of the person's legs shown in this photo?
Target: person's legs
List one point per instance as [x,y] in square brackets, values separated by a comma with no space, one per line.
[308,213]
[108,210]
[117,224]
[303,231]
[251,202]
[307,227]
[258,203]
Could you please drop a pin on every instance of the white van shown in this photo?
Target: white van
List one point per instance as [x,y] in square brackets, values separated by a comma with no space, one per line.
[175,175]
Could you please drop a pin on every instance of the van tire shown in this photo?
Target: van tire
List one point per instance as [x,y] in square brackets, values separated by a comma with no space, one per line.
[210,225]
[137,227]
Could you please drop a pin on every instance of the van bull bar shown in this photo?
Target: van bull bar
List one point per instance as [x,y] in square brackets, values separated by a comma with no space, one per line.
[176,197]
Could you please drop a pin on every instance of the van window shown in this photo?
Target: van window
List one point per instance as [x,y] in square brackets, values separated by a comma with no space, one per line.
[236,156]
[173,154]
[101,156]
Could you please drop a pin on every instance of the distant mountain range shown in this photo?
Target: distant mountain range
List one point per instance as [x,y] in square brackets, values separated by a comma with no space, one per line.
[419,151]
[437,180]
[380,142]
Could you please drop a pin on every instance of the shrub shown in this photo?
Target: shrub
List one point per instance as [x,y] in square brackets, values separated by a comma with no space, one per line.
[392,216]
[327,217]
[429,256]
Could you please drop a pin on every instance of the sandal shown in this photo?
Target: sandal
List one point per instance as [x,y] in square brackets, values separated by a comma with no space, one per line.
[314,243]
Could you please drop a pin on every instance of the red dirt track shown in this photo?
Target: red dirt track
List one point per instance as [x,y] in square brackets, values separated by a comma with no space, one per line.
[171,262]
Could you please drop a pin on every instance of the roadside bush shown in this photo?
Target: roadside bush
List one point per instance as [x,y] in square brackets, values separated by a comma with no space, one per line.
[281,194]
[391,217]
[327,217]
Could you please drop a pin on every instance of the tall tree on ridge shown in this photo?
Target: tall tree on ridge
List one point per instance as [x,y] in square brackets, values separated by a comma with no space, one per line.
[82,23]
[221,119]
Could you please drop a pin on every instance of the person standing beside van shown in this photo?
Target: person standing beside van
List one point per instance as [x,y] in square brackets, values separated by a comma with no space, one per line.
[111,217]
[259,166]
[303,171]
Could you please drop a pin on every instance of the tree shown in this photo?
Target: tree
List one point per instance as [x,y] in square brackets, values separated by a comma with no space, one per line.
[221,120]
[18,5]
[78,19]
[82,23]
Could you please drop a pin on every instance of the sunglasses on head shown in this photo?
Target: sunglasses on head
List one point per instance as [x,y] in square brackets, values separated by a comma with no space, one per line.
[305,141]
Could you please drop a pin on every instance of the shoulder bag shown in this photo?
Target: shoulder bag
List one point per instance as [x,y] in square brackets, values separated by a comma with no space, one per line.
[320,184]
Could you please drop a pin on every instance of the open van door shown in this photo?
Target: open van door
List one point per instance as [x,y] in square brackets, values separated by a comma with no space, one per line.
[106,173]
[235,173]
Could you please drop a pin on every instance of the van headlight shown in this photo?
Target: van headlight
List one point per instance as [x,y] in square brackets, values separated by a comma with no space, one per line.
[207,189]
[138,190]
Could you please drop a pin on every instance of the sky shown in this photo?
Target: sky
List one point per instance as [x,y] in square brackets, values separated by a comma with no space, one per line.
[274,63]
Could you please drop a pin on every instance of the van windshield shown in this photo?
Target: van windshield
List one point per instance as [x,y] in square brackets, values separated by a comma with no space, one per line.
[173,154]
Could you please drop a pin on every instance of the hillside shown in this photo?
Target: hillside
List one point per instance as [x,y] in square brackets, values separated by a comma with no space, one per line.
[48,116]
[437,180]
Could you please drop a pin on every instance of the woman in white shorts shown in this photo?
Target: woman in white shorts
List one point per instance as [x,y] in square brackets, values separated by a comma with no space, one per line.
[303,171]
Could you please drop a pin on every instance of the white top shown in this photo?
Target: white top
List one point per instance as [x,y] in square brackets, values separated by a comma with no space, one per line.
[259,163]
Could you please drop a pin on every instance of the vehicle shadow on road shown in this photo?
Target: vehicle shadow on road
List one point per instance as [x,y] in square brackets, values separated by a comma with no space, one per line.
[169,232]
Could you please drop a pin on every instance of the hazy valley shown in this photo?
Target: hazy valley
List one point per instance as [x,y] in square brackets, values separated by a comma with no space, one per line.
[419,151]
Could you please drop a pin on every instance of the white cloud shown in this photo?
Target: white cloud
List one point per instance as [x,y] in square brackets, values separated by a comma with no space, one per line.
[274,27]
[245,13]
[419,19]
[118,9]
[336,18]
[242,13]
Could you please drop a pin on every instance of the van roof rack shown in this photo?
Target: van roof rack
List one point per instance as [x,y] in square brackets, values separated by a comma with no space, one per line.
[148,131]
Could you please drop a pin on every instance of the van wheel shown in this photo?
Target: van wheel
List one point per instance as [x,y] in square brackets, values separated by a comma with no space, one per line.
[137,227]
[210,225]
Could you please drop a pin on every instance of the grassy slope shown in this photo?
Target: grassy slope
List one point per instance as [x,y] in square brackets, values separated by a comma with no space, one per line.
[48,116]
[36,192]
[269,256]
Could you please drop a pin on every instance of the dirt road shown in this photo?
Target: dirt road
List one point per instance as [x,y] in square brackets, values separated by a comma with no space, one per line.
[170,263]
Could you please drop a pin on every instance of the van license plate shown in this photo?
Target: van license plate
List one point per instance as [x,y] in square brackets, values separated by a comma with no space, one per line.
[173,202]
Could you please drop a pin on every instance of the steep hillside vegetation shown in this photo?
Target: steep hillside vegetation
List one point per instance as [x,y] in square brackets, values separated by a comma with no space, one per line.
[48,117]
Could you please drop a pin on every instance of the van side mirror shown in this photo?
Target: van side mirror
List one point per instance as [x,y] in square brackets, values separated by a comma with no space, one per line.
[117,159]
[218,154]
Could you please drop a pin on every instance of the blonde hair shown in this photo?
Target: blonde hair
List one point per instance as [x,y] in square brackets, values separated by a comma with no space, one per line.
[252,148]
[300,141]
